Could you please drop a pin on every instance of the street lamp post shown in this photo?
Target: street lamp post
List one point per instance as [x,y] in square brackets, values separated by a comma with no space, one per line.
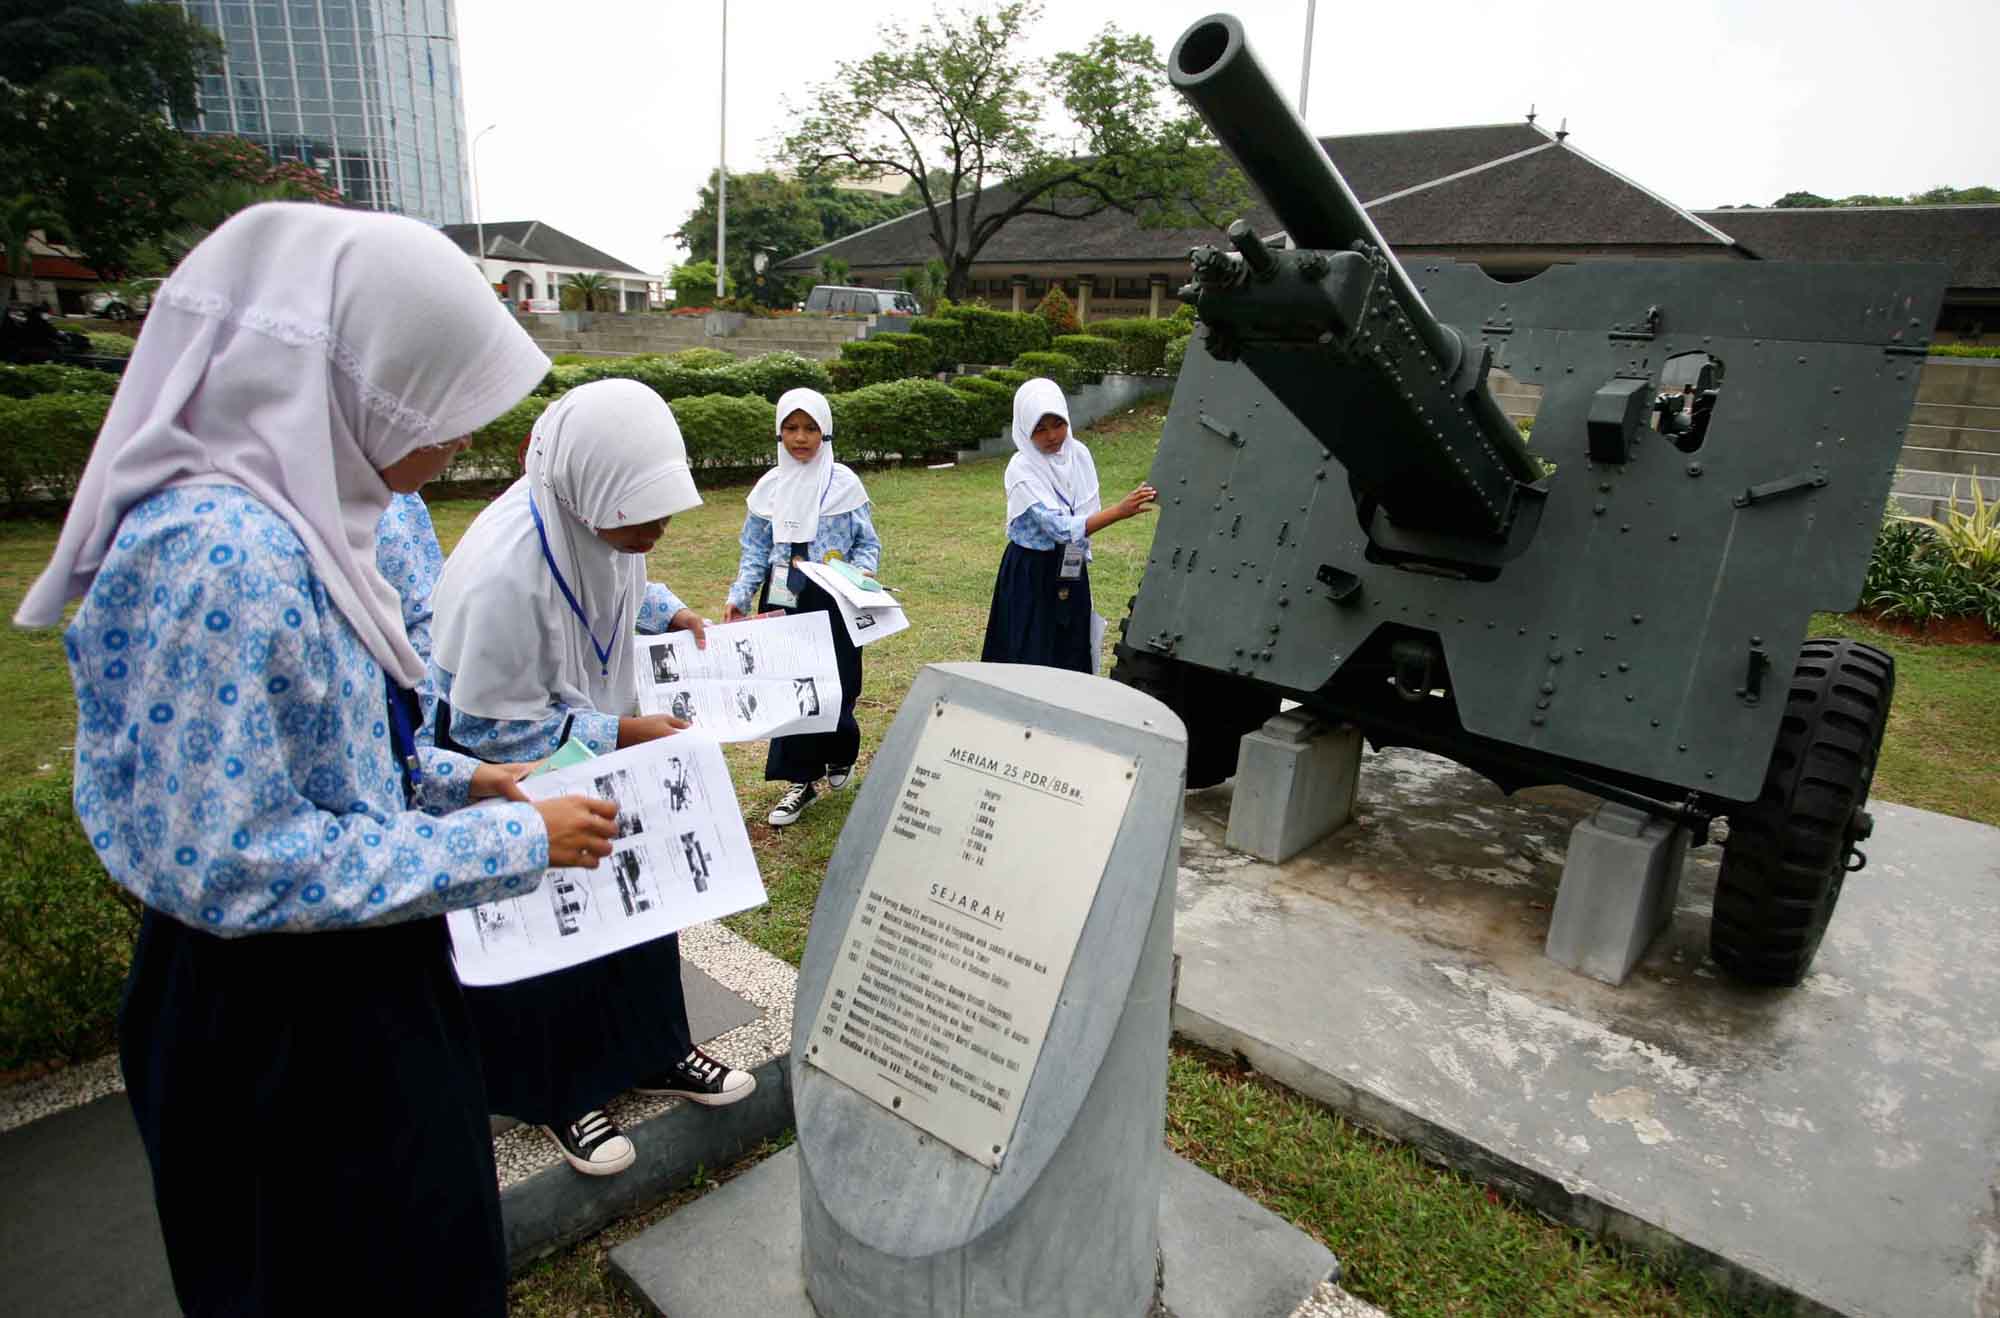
[1306,66]
[478,216]
[722,167]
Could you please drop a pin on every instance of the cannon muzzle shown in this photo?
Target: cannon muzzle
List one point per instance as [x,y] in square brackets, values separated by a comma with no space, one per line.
[1406,408]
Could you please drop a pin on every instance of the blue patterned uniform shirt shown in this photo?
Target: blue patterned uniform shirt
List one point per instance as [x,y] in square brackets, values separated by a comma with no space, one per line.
[409,557]
[233,761]
[851,534]
[520,740]
[1042,527]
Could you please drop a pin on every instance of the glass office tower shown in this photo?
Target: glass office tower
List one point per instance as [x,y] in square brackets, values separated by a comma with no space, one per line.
[365,91]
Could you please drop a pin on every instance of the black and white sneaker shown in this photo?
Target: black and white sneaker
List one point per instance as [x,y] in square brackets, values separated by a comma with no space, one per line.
[701,1079]
[791,805]
[837,778]
[593,1144]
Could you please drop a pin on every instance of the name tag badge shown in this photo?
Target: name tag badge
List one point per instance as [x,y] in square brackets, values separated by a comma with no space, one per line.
[779,595]
[1072,562]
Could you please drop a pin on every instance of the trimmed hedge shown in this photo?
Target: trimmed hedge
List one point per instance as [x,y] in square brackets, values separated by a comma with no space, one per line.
[1064,369]
[1964,350]
[992,403]
[907,417]
[49,378]
[947,334]
[1093,354]
[920,352]
[1008,376]
[1177,354]
[868,361]
[767,376]
[991,337]
[66,931]
[1142,343]
[726,429]
[702,359]
[47,441]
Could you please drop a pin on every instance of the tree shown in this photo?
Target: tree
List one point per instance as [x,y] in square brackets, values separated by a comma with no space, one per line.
[926,283]
[586,290]
[833,270]
[1792,200]
[20,216]
[694,284]
[1069,137]
[784,217]
[82,89]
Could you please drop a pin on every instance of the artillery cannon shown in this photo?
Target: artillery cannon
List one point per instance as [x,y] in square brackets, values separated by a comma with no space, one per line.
[1349,519]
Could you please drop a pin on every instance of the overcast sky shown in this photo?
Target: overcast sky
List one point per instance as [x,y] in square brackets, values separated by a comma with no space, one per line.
[607,110]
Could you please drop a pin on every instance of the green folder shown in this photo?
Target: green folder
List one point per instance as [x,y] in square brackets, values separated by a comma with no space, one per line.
[570,752]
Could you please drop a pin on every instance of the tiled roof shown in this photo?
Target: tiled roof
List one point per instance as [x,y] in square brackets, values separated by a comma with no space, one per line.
[541,242]
[1965,238]
[1489,185]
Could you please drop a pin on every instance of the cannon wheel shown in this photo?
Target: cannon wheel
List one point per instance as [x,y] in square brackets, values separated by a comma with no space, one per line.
[1218,709]
[1790,851]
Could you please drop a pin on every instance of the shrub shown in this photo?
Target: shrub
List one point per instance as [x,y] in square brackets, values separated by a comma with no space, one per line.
[1184,315]
[865,362]
[49,378]
[1913,575]
[694,285]
[1142,343]
[110,345]
[65,928]
[919,351]
[1056,312]
[697,359]
[1064,369]
[726,429]
[1093,354]
[773,373]
[991,402]
[948,336]
[495,444]
[48,439]
[991,337]
[1009,377]
[907,417]
[1176,354]
[1958,350]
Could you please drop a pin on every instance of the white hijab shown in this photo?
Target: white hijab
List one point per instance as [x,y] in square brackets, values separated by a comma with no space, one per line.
[295,352]
[794,495]
[604,455]
[1067,480]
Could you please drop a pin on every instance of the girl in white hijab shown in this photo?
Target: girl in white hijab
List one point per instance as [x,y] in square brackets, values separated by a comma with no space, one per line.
[245,765]
[1041,601]
[534,619]
[807,507]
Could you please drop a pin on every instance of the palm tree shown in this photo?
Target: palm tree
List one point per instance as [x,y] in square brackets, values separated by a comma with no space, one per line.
[21,215]
[592,290]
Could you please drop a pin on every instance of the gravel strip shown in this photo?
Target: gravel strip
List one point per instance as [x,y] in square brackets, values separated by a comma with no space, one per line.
[1329,1301]
[739,966]
[46,1095]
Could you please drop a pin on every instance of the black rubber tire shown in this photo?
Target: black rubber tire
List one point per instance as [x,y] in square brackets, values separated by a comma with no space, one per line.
[1217,708]
[1786,858]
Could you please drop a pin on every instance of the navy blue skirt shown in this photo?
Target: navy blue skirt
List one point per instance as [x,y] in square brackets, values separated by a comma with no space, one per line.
[806,756]
[1037,617]
[312,1110]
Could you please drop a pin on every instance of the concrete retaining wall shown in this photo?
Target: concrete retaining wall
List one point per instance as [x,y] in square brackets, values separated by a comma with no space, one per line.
[1087,406]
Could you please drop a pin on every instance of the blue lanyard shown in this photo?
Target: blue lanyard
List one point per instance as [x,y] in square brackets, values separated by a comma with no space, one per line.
[403,731]
[603,651]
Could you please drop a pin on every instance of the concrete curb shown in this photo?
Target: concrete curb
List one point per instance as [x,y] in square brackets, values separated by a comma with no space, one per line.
[557,1207]
[1574,1206]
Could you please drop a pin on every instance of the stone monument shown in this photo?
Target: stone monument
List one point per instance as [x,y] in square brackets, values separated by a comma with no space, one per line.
[979,1044]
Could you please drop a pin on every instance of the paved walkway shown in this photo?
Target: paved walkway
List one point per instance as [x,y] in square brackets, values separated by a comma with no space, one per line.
[78,1235]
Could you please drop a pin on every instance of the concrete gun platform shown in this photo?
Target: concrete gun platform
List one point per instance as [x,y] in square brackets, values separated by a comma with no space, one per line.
[1838,1143]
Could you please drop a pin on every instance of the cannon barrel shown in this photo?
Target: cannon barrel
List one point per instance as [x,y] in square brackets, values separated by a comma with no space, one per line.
[1338,332]
[1213,66]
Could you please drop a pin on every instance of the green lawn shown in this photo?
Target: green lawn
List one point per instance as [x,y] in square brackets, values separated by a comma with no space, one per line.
[1415,1239]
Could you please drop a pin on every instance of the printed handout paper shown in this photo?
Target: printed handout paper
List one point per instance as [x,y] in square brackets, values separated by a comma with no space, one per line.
[681,856]
[769,677]
[869,615]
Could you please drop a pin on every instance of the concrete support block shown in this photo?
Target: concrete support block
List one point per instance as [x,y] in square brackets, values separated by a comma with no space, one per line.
[1617,892]
[1295,781]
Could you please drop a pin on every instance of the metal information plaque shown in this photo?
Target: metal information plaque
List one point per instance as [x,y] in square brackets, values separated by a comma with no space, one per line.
[966,924]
